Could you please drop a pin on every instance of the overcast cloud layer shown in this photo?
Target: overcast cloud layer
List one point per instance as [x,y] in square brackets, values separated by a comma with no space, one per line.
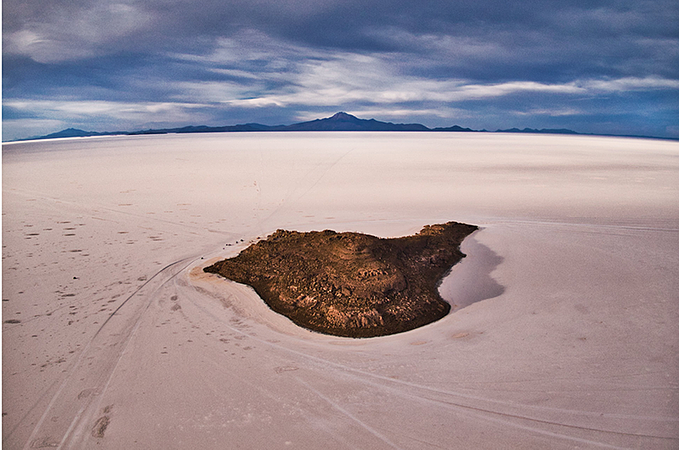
[592,66]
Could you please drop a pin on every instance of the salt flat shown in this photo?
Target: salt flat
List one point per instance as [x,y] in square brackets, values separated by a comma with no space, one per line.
[564,331]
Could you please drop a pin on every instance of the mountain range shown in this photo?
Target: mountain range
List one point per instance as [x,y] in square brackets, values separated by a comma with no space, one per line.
[339,122]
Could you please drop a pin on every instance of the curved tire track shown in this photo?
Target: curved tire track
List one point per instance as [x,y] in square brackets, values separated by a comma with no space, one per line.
[65,413]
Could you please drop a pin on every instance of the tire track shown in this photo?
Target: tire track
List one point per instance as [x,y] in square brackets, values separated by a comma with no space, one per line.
[575,426]
[67,411]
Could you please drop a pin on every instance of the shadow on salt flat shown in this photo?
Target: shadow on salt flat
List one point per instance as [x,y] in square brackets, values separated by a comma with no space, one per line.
[470,280]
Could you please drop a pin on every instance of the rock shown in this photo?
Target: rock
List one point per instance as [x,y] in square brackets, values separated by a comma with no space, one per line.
[351,284]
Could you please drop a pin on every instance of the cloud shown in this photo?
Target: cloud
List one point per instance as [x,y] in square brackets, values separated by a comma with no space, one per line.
[106,112]
[310,92]
[551,112]
[294,75]
[75,34]
[175,61]
[633,84]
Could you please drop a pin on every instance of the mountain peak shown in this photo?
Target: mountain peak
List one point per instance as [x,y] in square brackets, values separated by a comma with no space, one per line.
[342,121]
[343,116]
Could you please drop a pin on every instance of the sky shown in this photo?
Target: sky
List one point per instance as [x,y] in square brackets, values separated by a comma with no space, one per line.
[594,66]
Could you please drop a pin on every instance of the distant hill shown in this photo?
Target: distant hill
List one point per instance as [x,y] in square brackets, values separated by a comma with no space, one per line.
[205,129]
[339,122]
[453,128]
[70,132]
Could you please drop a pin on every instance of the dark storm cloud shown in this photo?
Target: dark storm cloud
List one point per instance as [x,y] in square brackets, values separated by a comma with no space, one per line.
[132,64]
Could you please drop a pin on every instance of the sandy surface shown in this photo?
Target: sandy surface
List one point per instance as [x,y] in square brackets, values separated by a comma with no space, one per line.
[564,332]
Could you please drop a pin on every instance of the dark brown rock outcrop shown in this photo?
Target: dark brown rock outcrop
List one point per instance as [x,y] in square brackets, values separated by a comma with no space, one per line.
[351,284]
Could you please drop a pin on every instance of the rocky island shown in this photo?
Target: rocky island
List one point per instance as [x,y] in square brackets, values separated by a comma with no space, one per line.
[351,284]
